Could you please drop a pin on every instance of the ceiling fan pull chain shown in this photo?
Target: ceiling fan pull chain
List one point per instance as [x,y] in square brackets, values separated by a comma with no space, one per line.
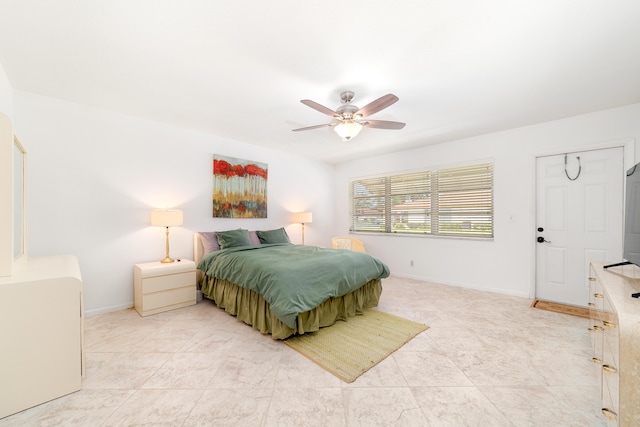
[579,168]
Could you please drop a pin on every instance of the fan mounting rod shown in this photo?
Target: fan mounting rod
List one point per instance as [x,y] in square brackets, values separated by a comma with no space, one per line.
[347,110]
[346,97]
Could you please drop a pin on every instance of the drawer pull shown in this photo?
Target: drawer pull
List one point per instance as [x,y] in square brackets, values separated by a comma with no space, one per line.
[592,279]
[609,414]
[598,328]
[591,304]
[596,360]
[597,295]
[609,324]
[609,369]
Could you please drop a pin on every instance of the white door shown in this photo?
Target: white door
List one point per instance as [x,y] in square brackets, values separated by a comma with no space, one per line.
[579,214]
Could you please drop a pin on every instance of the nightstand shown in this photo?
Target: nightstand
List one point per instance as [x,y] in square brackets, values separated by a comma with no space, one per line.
[161,287]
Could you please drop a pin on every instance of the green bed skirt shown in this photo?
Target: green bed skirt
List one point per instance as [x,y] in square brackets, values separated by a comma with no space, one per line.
[249,306]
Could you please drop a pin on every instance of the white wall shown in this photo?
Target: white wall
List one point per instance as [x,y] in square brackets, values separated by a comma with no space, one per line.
[507,263]
[94,176]
[6,94]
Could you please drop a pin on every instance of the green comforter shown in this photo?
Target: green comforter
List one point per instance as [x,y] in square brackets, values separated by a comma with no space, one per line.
[293,278]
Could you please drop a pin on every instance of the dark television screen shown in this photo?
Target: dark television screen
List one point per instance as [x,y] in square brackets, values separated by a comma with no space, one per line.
[632,216]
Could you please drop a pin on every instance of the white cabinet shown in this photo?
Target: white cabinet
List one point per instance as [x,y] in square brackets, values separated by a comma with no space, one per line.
[13,225]
[596,328]
[160,286]
[41,328]
[615,330]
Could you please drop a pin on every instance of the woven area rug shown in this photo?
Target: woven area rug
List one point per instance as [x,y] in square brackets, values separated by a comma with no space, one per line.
[349,349]
[561,308]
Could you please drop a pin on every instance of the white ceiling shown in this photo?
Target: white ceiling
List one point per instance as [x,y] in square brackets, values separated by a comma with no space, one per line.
[238,69]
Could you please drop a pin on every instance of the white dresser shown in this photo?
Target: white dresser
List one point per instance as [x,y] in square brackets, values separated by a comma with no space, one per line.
[41,332]
[615,331]
[160,286]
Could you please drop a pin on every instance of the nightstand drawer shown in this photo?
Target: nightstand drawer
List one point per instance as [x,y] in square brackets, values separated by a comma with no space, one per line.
[171,281]
[169,298]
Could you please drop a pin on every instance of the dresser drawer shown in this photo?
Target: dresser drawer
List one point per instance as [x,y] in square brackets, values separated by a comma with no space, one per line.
[596,294]
[609,400]
[171,281]
[596,301]
[597,340]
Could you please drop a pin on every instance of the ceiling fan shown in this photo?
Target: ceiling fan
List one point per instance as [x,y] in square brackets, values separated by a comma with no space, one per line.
[349,119]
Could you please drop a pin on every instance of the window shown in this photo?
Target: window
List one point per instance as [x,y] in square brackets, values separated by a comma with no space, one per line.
[445,202]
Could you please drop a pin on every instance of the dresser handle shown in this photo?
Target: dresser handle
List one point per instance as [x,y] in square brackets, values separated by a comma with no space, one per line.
[609,414]
[609,369]
[598,328]
[592,279]
[609,324]
[596,360]
[598,295]
[591,304]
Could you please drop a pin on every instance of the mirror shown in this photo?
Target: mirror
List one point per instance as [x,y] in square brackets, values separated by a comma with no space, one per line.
[19,199]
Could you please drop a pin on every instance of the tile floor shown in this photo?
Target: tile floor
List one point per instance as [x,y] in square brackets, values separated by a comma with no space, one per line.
[487,360]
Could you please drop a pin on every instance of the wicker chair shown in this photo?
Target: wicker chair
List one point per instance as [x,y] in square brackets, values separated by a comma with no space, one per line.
[350,243]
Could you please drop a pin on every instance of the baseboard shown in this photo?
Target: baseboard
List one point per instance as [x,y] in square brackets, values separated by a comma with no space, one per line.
[466,286]
[110,309]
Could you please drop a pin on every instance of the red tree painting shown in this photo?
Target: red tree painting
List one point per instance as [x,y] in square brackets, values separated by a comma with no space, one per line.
[239,188]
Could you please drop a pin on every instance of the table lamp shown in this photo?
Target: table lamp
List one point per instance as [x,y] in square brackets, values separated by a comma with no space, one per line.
[166,218]
[302,218]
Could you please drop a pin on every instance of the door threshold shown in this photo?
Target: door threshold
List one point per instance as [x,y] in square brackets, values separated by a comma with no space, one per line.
[560,308]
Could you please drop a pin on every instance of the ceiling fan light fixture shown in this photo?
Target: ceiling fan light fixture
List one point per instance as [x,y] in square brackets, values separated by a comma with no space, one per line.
[348,130]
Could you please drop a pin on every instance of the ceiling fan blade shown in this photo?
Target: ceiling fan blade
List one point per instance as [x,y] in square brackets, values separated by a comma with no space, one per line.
[318,107]
[382,124]
[377,105]
[314,127]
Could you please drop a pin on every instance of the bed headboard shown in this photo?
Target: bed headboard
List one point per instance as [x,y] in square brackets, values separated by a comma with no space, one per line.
[198,248]
[198,253]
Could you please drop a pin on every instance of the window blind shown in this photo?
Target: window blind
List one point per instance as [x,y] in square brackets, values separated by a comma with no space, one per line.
[446,202]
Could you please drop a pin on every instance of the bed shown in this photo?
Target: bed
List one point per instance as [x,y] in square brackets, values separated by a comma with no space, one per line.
[283,289]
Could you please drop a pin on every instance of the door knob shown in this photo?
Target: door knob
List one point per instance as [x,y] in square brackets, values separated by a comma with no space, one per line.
[541,240]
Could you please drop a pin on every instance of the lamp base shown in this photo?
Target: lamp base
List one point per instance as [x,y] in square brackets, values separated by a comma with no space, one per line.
[166,256]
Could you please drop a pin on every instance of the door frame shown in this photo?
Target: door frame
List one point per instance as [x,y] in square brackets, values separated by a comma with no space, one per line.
[628,160]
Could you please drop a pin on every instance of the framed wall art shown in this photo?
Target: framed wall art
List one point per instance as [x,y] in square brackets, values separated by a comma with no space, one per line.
[239,188]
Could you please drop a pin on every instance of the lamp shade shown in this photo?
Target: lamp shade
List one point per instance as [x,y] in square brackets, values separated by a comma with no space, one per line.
[348,130]
[166,217]
[302,217]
